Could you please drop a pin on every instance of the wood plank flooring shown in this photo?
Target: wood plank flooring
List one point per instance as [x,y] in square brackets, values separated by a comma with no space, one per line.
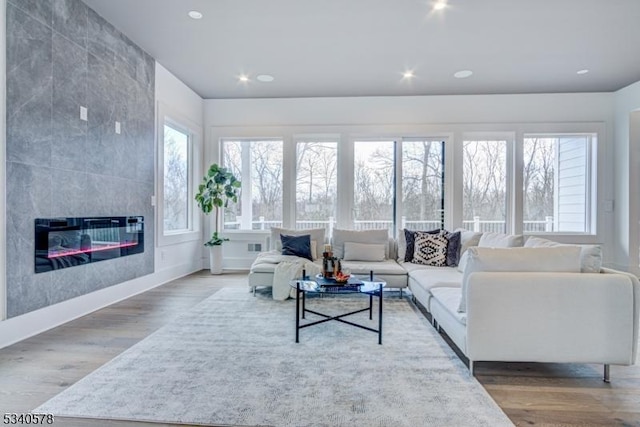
[36,369]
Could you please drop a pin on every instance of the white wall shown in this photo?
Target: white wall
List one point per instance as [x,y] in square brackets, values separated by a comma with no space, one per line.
[177,98]
[410,109]
[627,178]
[435,115]
[171,261]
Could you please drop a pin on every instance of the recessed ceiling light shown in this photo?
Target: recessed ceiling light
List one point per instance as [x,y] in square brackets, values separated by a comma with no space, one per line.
[462,74]
[408,74]
[439,5]
[243,78]
[194,14]
[584,71]
[265,78]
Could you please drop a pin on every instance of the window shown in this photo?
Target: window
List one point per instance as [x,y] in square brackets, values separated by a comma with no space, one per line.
[258,164]
[176,203]
[556,183]
[316,184]
[422,184]
[374,185]
[178,160]
[484,203]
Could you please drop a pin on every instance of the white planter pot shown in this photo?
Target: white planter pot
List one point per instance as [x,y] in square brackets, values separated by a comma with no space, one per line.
[215,259]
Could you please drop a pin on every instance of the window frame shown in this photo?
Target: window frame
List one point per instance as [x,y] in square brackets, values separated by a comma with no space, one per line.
[452,134]
[591,181]
[169,116]
[246,184]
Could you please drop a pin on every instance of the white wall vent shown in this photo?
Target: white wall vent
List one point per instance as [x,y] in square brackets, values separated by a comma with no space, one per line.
[254,247]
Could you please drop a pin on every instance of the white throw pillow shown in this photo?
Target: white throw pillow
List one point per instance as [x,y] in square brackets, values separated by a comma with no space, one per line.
[468,239]
[365,236]
[317,235]
[363,251]
[590,255]
[501,240]
[463,262]
[565,259]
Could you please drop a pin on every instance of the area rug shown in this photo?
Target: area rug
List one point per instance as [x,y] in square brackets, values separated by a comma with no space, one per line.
[233,360]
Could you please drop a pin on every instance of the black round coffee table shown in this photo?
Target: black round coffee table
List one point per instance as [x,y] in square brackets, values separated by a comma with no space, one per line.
[366,285]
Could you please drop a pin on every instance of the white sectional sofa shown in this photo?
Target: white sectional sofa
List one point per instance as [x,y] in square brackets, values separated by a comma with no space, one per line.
[519,310]
[544,302]
[358,262]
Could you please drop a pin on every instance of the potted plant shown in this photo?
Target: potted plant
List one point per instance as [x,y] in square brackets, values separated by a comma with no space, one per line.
[218,187]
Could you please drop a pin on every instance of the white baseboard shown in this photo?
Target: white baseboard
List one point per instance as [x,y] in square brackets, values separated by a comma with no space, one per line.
[27,325]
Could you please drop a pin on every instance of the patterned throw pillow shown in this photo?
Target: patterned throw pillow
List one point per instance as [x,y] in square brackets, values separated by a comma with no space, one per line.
[453,247]
[430,249]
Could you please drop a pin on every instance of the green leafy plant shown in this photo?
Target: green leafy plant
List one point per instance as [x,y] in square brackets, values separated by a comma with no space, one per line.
[218,187]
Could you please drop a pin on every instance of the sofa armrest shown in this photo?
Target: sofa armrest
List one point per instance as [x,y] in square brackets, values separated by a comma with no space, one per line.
[636,303]
[551,317]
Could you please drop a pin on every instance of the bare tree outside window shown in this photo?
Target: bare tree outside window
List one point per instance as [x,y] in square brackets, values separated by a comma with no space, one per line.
[484,185]
[556,183]
[258,165]
[373,184]
[232,160]
[422,191]
[176,179]
[316,184]
[266,180]
[538,175]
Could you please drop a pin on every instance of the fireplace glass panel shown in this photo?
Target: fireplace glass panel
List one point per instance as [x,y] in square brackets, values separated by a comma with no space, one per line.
[70,242]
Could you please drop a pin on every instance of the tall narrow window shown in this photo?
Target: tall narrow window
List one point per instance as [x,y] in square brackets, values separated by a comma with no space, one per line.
[484,186]
[422,184]
[373,187]
[556,181]
[176,206]
[316,184]
[258,165]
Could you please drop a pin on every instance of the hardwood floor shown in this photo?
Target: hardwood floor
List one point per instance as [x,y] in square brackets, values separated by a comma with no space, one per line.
[36,369]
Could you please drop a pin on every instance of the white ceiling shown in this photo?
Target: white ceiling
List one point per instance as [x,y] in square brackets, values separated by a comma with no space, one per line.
[319,48]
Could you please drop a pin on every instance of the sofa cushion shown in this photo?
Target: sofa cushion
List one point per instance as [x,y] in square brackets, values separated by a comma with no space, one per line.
[387,267]
[546,259]
[364,236]
[450,299]
[427,276]
[430,249]
[317,235]
[590,255]
[468,239]
[363,251]
[501,240]
[297,245]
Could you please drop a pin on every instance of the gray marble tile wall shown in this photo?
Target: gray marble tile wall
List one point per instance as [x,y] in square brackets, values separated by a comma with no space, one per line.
[61,55]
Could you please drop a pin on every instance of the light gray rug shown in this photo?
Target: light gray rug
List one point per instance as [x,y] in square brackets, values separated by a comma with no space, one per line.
[233,360]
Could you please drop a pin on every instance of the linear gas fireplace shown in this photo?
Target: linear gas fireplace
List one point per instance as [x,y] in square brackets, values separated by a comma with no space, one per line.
[69,242]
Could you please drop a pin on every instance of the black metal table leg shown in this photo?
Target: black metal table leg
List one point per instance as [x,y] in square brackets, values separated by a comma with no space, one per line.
[297,310]
[303,303]
[380,317]
[370,305]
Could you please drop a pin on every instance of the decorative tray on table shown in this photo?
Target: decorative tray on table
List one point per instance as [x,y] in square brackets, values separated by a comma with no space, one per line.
[351,283]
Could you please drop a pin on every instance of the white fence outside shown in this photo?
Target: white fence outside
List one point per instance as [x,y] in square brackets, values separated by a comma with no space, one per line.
[477,225]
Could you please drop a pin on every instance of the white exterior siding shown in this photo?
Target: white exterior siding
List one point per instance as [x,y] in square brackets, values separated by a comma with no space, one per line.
[571,201]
